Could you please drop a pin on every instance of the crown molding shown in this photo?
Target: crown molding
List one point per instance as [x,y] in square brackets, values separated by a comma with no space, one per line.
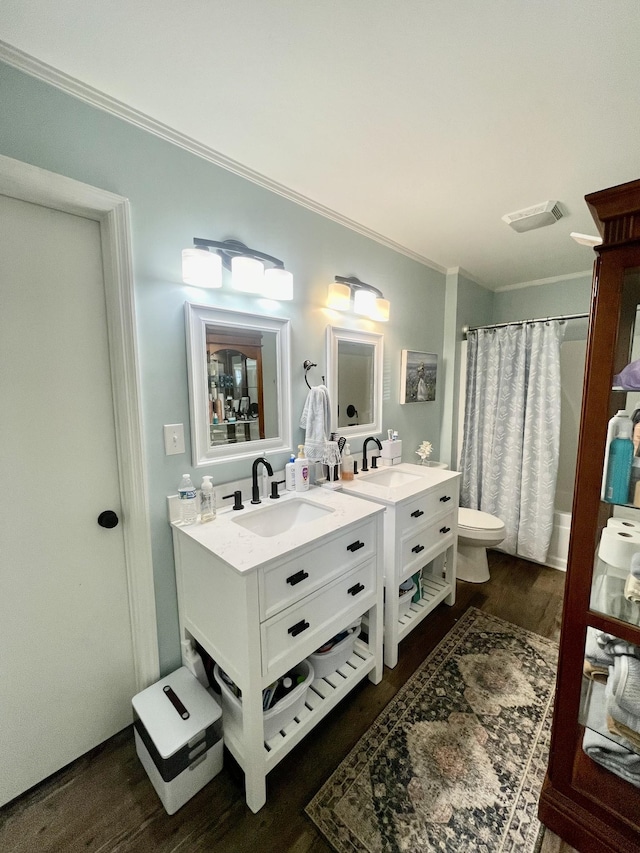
[72,86]
[553,280]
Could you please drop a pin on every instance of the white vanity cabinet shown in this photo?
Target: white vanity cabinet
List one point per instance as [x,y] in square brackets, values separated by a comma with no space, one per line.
[420,534]
[260,604]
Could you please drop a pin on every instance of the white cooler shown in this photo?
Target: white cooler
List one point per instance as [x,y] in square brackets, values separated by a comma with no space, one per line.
[178,734]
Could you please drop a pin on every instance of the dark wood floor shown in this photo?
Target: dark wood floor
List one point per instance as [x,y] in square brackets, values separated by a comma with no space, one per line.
[104,802]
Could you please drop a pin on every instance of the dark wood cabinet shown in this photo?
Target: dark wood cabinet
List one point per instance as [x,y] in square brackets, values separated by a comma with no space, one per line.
[584,802]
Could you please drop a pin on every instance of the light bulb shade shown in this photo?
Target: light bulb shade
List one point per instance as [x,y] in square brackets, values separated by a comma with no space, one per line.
[247,274]
[339,296]
[364,302]
[201,268]
[278,284]
[383,308]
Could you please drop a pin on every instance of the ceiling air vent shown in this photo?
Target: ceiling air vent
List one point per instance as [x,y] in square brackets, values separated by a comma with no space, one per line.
[545,213]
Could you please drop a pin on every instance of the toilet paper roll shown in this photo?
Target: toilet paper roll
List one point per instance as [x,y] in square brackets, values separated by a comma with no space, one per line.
[624,524]
[618,545]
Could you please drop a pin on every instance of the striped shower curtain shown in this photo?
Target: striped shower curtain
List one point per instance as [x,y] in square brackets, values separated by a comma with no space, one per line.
[511,442]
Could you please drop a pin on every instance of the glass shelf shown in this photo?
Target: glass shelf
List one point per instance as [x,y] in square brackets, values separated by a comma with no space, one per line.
[607,593]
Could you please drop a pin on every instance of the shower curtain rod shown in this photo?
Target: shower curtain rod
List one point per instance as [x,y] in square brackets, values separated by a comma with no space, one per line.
[466,329]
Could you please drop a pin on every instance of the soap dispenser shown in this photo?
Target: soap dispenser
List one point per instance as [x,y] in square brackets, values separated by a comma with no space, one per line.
[301,471]
[207,500]
[347,463]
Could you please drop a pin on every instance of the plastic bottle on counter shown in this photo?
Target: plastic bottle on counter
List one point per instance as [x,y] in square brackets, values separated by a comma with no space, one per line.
[187,495]
[207,501]
[290,474]
[619,464]
[301,471]
[347,463]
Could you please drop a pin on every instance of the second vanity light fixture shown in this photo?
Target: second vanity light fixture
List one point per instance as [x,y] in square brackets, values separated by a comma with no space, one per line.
[251,271]
[366,299]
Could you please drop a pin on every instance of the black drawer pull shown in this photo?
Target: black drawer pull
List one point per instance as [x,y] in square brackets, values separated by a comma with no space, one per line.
[417,513]
[355,546]
[445,498]
[298,628]
[417,548]
[356,589]
[299,576]
[445,529]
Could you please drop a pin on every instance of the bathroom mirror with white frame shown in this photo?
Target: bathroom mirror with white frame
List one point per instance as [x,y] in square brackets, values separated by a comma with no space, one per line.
[354,380]
[239,383]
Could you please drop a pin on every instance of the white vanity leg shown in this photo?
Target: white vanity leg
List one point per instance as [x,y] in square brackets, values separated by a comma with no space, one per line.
[375,618]
[451,557]
[391,610]
[253,747]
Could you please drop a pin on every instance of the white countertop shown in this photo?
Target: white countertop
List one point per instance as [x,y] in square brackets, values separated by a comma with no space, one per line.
[245,550]
[425,478]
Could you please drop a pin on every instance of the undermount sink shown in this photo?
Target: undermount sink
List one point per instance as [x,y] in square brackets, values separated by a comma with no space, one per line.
[281,517]
[390,479]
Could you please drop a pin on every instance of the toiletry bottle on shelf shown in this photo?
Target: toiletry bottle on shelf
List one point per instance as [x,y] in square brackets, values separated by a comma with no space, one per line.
[634,482]
[290,474]
[207,500]
[302,470]
[613,429]
[619,464]
[347,463]
[187,495]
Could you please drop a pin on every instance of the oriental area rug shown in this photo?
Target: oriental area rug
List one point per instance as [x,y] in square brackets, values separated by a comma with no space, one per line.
[456,760]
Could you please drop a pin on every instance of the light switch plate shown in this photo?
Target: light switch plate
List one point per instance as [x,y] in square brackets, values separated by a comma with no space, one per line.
[173,439]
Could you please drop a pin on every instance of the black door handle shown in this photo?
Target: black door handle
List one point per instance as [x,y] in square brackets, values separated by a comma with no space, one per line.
[445,529]
[445,498]
[355,546]
[299,576]
[417,513]
[356,589]
[108,518]
[298,628]
[417,548]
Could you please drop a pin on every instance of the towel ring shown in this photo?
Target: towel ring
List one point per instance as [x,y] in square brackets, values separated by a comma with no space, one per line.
[307,367]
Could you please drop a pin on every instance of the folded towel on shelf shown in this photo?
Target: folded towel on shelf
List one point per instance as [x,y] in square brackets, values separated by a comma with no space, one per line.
[624,684]
[632,589]
[613,756]
[628,735]
[316,421]
[600,652]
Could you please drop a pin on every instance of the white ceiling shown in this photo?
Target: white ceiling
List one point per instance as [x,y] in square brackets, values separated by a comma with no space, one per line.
[422,120]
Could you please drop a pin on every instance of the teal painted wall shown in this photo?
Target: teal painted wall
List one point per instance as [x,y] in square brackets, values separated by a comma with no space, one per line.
[175,196]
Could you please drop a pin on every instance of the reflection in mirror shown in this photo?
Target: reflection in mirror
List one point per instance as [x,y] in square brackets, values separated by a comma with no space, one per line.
[238,383]
[354,367]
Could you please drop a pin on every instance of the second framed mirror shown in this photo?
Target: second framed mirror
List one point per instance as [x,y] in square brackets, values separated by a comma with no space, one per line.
[354,380]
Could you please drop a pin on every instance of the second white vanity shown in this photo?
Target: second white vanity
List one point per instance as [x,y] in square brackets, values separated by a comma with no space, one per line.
[420,535]
[262,588]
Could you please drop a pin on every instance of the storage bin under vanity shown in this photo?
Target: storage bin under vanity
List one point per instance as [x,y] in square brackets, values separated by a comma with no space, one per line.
[279,716]
[178,736]
[324,663]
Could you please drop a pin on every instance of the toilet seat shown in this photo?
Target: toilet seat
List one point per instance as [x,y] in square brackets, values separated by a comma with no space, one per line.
[479,527]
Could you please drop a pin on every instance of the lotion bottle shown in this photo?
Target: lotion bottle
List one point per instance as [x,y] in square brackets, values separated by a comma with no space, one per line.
[613,430]
[620,461]
[290,474]
[301,471]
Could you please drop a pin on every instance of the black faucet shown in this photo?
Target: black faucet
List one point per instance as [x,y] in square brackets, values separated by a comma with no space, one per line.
[365,466]
[255,489]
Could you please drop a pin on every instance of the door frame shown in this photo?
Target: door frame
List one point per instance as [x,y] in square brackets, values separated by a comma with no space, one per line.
[30,183]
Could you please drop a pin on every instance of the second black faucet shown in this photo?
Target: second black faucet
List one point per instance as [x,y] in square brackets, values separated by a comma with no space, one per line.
[255,489]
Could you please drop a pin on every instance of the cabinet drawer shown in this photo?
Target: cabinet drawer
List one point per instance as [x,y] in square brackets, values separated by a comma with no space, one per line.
[432,504]
[300,629]
[296,578]
[423,546]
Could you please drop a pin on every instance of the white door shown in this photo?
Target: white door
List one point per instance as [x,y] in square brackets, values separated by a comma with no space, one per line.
[66,658]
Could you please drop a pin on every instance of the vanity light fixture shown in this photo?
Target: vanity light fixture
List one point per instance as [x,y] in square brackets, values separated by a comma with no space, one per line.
[251,271]
[368,301]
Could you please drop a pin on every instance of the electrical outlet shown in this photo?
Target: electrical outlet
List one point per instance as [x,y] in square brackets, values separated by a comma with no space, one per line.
[173,439]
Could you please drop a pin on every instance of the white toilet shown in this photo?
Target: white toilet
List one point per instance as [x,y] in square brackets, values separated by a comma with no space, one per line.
[477,531]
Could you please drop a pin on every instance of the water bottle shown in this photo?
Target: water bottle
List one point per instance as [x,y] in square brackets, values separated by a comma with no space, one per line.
[619,466]
[187,495]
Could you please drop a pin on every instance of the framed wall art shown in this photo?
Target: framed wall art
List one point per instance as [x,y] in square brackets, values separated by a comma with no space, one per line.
[419,372]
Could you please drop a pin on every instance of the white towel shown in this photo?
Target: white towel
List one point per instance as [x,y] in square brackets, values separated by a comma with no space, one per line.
[613,756]
[316,421]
